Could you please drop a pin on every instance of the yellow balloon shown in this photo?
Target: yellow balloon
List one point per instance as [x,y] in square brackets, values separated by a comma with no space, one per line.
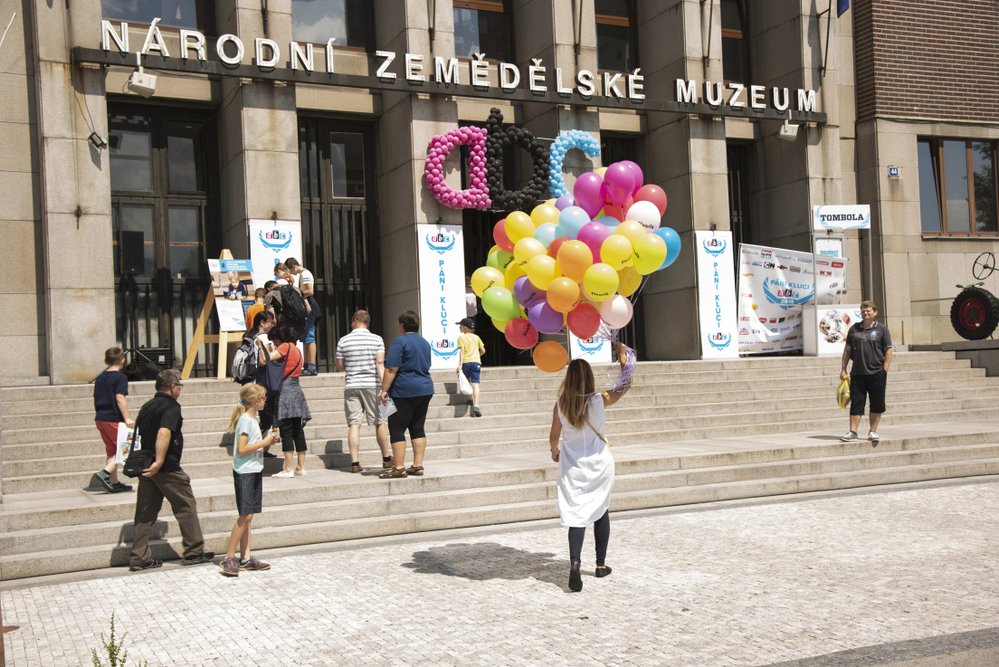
[616,251]
[492,251]
[574,257]
[528,248]
[631,230]
[543,213]
[563,294]
[513,272]
[600,282]
[485,277]
[551,201]
[499,324]
[649,253]
[629,280]
[500,260]
[519,225]
[600,171]
[542,270]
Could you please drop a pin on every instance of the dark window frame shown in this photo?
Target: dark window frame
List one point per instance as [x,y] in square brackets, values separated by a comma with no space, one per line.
[495,7]
[938,160]
[630,22]
[739,34]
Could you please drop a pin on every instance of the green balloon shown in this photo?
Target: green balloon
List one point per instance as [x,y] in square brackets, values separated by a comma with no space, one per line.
[500,260]
[500,303]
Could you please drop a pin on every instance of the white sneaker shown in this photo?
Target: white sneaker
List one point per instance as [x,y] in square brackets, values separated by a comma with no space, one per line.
[873,436]
[284,473]
[850,435]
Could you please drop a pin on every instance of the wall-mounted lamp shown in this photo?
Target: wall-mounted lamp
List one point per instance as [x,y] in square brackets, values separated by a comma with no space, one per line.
[96,141]
[141,83]
[789,131]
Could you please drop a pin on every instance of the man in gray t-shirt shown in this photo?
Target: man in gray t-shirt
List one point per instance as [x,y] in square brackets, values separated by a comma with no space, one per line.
[361,355]
[868,346]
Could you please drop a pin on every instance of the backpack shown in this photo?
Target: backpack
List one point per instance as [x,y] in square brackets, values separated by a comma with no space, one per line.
[245,362]
[292,307]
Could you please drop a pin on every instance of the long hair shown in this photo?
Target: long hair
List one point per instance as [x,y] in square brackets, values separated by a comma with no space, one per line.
[248,395]
[575,392]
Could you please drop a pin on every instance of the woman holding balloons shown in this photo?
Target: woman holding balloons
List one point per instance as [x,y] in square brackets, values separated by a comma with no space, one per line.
[585,464]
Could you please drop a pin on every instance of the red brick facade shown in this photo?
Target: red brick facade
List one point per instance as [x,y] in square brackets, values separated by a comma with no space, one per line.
[921,59]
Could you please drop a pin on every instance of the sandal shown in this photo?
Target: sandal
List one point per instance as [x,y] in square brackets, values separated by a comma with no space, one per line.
[393,473]
[415,470]
[356,467]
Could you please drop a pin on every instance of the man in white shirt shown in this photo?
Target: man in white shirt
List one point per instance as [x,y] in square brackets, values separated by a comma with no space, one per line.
[305,282]
[361,355]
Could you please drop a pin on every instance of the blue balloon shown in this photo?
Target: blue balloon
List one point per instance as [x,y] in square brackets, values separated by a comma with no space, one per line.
[609,221]
[672,239]
[571,220]
[546,233]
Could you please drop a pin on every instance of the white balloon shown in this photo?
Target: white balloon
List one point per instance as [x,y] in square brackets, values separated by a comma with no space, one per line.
[645,213]
[616,311]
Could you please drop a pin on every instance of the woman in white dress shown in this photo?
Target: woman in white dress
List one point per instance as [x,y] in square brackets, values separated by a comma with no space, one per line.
[585,464]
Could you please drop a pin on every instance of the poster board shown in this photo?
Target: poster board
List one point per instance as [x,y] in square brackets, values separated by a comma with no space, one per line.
[826,327]
[716,305]
[271,243]
[232,286]
[441,254]
[201,337]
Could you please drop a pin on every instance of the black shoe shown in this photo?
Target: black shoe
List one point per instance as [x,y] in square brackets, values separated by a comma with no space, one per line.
[270,455]
[602,571]
[118,487]
[206,557]
[105,478]
[148,565]
[575,581]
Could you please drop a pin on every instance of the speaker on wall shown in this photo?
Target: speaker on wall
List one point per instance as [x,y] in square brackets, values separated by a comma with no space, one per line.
[133,253]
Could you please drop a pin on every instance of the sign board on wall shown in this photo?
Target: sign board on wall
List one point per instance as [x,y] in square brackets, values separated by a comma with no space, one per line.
[441,254]
[272,242]
[596,349]
[716,294]
[839,218]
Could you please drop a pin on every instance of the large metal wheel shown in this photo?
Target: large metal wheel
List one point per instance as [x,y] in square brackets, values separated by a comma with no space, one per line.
[974,313]
[984,265]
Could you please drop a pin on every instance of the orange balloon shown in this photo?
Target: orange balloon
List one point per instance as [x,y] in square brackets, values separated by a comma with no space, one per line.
[563,294]
[550,357]
[574,257]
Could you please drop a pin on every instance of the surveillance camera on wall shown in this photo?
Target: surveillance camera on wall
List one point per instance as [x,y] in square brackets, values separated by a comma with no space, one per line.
[788,131]
[141,83]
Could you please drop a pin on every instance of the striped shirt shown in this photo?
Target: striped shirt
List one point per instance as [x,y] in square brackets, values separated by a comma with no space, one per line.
[358,349]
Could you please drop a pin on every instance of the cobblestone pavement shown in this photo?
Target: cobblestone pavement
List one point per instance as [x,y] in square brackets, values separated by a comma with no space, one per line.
[896,574]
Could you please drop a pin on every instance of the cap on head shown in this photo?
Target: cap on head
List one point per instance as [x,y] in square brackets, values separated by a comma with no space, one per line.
[467,322]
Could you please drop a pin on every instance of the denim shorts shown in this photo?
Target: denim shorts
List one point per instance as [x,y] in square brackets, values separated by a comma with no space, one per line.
[471,371]
[310,332]
[249,492]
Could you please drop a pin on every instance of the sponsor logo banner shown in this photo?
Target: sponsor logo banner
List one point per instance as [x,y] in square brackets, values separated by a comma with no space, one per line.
[716,295]
[441,253]
[595,350]
[272,242]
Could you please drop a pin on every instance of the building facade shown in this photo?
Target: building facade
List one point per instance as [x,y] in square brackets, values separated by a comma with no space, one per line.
[255,114]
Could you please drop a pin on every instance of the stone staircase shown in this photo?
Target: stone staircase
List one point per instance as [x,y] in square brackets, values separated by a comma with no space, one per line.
[688,432]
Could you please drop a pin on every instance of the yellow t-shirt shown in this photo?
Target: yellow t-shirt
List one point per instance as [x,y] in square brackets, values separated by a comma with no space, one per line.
[471,348]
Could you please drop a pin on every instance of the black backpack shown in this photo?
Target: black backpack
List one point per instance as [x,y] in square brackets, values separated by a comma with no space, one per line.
[292,307]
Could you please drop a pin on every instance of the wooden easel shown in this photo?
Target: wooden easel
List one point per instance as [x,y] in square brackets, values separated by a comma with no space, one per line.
[222,339]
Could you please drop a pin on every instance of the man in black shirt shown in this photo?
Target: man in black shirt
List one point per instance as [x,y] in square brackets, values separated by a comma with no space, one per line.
[159,424]
[868,345]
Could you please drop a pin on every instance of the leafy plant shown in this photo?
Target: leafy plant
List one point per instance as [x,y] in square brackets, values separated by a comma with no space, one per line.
[114,648]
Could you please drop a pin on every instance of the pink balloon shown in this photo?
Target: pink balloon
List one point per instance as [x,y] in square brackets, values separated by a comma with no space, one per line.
[636,172]
[593,235]
[584,320]
[652,193]
[587,193]
[619,181]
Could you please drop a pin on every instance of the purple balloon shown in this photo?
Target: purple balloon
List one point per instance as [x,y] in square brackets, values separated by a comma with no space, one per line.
[527,294]
[593,235]
[545,318]
[636,172]
[565,201]
[619,181]
[588,193]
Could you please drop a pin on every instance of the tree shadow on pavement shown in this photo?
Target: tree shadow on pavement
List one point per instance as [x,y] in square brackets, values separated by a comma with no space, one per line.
[488,560]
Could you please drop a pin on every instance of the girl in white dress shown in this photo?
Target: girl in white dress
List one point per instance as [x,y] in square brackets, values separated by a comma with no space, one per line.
[585,464]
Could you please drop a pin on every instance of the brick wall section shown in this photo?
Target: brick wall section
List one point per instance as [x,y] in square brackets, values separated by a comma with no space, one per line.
[922,59]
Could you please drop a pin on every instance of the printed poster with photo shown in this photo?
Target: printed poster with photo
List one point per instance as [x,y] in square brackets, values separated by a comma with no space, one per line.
[232,284]
[124,443]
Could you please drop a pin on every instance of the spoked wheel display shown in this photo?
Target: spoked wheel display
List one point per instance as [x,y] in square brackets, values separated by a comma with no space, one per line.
[974,313]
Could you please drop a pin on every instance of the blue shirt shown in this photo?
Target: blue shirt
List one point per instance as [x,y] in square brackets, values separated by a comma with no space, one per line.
[107,386]
[254,461]
[410,353]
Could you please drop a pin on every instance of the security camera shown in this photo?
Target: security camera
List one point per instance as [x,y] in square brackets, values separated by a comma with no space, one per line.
[141,83]
[788,131]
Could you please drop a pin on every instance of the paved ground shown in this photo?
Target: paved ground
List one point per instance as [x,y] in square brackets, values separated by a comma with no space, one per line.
[902,575]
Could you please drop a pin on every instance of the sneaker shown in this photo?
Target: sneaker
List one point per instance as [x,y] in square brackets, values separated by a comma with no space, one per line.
[300,472]
[230,567]
[850,435]
[476,411]
[148,565]
[118,487]
[874,437]
[284,473]
[206,557]
[254,565]
[105,478]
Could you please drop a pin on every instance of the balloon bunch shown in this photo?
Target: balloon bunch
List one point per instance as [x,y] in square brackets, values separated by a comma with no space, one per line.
[575,261]
[556,156]
[497,138]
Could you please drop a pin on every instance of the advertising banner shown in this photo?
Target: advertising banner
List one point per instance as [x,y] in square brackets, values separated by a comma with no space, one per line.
[837,218]
[441,253]
[716,294]
[272,242]
[596,350]
[830,279]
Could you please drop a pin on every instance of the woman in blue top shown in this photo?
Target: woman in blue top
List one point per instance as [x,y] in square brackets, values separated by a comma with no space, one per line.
[407,382]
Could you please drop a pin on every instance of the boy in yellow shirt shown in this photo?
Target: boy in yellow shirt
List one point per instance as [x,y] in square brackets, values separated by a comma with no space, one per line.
[470,351]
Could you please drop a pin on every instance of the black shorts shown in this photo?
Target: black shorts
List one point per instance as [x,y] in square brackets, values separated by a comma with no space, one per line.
[249,492]
[863,385]
[411,414]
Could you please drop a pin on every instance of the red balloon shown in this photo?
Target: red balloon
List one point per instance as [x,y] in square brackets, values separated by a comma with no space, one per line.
[555,245]
[499,235]
[652,193]
[584,320]
[521,334]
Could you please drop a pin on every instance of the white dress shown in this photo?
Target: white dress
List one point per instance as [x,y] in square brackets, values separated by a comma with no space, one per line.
[585,469]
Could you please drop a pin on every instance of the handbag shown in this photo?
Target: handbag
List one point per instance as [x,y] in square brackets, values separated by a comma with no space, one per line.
[274,375]
[138,458]
[464,386]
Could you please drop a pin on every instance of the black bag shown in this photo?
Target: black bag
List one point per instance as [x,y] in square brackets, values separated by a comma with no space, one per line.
[138,459]
[293,311]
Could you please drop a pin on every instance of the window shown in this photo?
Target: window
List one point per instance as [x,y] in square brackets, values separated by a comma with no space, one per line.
[482,27]
[617,41]
[349,21]
[957,187]
[173,13]
[735,41]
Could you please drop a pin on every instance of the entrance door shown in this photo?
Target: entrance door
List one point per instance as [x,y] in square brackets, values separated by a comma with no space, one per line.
[162,195]
[339,230]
